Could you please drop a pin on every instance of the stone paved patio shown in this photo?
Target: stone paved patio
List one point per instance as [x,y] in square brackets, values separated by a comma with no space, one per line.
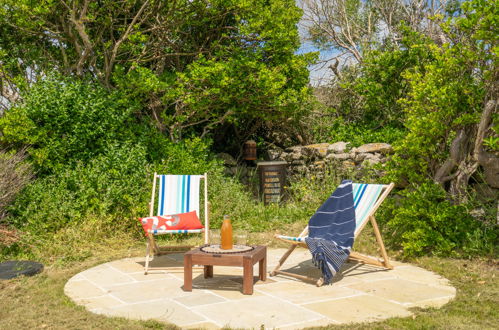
[360,293]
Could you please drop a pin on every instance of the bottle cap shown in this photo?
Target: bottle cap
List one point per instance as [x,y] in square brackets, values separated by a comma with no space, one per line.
[226,217]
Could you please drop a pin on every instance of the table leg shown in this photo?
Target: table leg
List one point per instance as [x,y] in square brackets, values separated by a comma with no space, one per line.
[187,272]
[263,268]
[208,271]
[247,276]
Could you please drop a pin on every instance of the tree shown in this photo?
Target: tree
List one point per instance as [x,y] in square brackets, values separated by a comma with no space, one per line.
[354,26]
[84,36]
[452,105]
[182,58]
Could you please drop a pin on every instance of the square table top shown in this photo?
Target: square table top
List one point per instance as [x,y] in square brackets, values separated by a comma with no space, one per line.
[259,252]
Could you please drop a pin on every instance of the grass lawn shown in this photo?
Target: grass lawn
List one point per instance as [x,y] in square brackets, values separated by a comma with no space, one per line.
[39,301]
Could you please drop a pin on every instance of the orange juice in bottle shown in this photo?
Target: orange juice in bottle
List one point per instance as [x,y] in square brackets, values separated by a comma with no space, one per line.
[226,233]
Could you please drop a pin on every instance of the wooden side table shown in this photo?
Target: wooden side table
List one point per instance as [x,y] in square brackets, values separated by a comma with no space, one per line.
[242,259]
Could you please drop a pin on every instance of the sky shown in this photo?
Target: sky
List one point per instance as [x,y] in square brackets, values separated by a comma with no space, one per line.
[320,74]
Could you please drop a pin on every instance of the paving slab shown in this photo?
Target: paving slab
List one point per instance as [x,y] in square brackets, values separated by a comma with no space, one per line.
[137,292]
[161,309]
[367,273]
[420,275]
[82,289]
[359,293]
[257,312]
[128,265]
[156,275]
[105,301]
[403,291]
[199,299]
[301,293]
[107,276]
[363,308]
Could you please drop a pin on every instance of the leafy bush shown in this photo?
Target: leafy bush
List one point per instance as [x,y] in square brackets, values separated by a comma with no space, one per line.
[111,187]
[381,82]
[94,157]
[356,133]
[66,120]
[190,156]
[423,221]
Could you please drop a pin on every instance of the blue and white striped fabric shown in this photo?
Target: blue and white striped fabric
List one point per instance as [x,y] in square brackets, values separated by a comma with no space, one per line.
[364,196]
[178,194]
[331,231]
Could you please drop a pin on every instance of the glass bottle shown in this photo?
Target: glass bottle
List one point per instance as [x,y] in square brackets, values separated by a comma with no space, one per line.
[226,232]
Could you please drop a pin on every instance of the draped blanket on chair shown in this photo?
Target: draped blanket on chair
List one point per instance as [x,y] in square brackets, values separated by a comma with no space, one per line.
[331,231]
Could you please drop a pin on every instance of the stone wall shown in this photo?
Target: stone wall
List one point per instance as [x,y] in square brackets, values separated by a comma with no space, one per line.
[317,157]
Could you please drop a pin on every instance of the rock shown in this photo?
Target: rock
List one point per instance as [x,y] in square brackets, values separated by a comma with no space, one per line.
[319,175]
[298,162]
[227,159]
[321,149]
[384,148]
[373,156]
[297,152]
[296,156]
[275,154]
[294,149]
[290,157]
[338,156]
[338,147]
[358,157]
[371,160]
[348,164]
[319,164]
[310,151]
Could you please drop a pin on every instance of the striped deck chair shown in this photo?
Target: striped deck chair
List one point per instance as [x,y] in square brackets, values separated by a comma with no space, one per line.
[367,199]
[176,194]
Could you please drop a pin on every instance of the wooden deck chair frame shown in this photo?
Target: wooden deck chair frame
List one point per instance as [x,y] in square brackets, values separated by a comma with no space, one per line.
[152,248]
[385,263]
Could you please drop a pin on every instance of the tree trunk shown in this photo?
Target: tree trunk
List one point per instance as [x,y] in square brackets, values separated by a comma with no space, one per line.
[466,155]
[488,161]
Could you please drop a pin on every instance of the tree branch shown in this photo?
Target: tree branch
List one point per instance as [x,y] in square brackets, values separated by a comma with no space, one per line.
[118,43]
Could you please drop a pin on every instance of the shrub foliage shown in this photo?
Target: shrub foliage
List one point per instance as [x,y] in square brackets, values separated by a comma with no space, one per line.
[423,221]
